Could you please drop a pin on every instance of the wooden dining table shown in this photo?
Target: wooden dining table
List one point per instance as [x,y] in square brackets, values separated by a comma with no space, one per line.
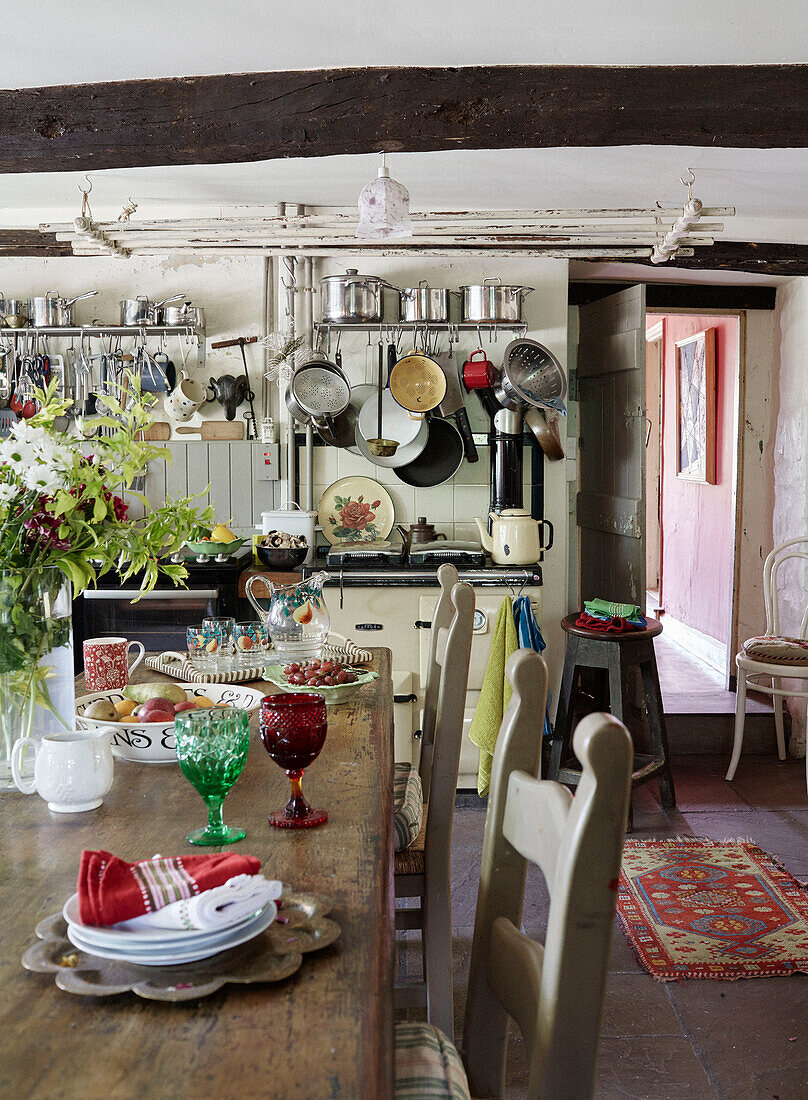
[326,1031]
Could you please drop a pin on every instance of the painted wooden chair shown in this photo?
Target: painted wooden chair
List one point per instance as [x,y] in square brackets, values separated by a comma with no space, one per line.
[423,870]
[771,656]
[554,991]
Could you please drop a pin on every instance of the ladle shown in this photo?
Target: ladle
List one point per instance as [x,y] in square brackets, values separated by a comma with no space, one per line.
[381,447]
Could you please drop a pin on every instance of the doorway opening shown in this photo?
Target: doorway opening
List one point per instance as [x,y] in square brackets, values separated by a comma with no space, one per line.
[694,366]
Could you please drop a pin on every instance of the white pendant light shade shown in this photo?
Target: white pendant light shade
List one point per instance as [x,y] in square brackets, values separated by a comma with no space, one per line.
[384,208]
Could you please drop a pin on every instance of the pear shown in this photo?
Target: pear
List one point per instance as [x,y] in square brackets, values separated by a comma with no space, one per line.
[221,533]
[141,693]
[102,711]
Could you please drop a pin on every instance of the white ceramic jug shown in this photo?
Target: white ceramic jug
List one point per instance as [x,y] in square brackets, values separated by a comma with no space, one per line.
[72,770]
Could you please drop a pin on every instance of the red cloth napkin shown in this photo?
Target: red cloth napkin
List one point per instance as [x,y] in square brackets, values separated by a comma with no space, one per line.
[111,890]
[615,625]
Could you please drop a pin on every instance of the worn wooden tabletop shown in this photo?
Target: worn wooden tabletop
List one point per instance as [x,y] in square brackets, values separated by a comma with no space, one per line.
[325,1032]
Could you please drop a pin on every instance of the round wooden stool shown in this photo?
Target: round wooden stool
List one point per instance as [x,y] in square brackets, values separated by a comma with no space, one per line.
[615,655]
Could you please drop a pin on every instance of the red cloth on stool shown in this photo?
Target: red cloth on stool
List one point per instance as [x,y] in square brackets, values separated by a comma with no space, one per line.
[615,625]
[111,890]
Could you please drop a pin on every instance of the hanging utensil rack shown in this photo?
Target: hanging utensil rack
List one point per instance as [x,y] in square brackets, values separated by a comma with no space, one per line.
[134,331]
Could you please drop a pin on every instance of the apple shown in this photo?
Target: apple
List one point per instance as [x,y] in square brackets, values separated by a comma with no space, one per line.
[158,703]
[163,716]
[184,706]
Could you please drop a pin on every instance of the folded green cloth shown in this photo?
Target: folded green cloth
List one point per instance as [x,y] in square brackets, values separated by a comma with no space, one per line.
[603,607]
[494,695]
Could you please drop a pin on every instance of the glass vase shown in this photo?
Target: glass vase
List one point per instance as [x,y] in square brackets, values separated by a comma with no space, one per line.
[37,689]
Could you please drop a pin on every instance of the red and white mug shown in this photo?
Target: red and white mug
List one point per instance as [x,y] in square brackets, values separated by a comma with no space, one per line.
[106,664]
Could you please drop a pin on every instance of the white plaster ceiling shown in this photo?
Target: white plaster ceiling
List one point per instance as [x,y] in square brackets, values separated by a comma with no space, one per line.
[85,41]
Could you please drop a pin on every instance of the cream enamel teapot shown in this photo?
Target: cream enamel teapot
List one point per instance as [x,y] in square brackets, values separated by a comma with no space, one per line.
[515,537]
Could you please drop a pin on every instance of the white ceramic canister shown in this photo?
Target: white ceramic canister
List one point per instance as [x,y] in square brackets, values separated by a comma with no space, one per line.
[72,770]
[292,519]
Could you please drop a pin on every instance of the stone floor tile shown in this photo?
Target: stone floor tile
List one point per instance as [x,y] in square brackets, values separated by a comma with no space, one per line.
[753,1033]
[697,788]
[650,1068]
[637,1005]
[777,785]
[776,832]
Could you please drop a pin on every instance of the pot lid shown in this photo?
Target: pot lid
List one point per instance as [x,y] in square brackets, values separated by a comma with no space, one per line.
[351,275]
[513,513]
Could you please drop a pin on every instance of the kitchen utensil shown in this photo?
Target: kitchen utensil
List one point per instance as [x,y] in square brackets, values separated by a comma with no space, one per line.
[242,342]
[453,405]
[53,310]
[7,418]
[531,375]
[292,728]
[297,616]
[184,400]
[379,445]
[212,747]
[424,303]
[515,537]
[158,432]
[354,509]
[106,663]
[135,311]
[72,771]
[478,374]
[440,458]
[153,742]
[417,383]
[156,314]
[282,560]
[405,452]
[331,693]
[352,298]
[178,315]
[545,429]
[319,390]
[398,424]
[16,312]
[419,532]
[490,302]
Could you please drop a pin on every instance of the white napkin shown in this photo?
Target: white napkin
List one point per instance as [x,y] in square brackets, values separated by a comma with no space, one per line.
[212,910]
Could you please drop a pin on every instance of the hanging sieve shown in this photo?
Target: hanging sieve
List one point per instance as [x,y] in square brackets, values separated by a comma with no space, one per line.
[531,375]
[320,389]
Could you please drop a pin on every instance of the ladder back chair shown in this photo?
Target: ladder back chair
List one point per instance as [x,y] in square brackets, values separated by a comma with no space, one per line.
[554,991]
[423,870]
[772,656]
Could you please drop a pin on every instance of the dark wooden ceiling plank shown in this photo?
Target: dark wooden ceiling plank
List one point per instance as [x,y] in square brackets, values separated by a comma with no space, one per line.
[691,296]
[264,116]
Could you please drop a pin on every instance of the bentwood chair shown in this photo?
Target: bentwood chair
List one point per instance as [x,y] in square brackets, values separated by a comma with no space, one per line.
[423,870]
[772,656]
[555,991]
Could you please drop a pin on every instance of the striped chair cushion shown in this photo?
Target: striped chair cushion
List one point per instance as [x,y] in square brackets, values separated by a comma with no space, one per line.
[427,1065]
[775,650]
[408,801]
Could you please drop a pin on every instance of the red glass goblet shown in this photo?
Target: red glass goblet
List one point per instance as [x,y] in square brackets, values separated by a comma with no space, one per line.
[293,728]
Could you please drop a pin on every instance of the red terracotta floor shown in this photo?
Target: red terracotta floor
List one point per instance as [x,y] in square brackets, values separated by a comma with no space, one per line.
[743,1040]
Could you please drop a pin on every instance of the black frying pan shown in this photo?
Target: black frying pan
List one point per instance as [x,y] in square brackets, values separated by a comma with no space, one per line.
[438,461]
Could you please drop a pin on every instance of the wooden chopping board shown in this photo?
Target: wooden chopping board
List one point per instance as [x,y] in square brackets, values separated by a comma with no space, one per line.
[214,429]
[157,433]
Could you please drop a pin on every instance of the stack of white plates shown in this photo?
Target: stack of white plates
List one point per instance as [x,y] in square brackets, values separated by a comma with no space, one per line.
[161,946]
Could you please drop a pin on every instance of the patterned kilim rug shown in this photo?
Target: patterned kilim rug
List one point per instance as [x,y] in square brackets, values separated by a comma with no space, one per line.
[694,908]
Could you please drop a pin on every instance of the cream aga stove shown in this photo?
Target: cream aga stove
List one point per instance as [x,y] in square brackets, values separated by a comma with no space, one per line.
[393,608]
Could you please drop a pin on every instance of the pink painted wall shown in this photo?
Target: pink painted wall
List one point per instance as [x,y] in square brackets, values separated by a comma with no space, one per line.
[697,520]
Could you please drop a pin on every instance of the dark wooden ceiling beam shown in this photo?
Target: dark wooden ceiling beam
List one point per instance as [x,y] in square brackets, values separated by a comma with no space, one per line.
[264,116]
[30,242]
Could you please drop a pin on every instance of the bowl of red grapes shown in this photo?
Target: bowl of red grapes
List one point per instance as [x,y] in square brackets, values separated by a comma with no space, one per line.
[335,681]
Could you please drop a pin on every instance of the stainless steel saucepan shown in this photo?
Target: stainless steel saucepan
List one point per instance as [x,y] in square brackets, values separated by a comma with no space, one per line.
[51,310]
[490,302]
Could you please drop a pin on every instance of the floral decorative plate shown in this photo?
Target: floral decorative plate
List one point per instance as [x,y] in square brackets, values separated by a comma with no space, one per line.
[356,509]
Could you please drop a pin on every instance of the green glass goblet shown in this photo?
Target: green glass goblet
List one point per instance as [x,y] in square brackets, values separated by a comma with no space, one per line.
[212,746]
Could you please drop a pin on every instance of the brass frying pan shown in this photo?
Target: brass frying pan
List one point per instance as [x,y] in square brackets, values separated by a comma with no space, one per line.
[417,383]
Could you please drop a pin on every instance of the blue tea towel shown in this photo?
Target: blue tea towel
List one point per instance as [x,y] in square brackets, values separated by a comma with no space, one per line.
[530,637]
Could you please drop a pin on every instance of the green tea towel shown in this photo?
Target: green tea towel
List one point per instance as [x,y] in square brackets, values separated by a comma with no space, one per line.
[604,607]
[495,693]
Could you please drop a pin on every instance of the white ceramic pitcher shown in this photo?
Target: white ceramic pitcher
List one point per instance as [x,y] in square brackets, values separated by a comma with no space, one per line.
[72,770]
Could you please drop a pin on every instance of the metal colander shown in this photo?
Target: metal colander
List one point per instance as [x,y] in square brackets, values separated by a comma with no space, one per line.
[320,389]
[532,375]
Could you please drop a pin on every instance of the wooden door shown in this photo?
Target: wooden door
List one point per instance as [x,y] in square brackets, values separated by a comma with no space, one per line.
[611,497]
[653,458]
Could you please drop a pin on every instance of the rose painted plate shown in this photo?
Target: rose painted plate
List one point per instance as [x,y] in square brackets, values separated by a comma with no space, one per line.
[356,509]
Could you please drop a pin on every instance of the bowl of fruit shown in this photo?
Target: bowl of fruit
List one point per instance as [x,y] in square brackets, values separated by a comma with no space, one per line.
[221,542]
[142,715]
[333,680]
